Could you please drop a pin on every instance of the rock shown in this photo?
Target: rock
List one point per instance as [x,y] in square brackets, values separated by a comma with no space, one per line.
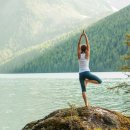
[81,118]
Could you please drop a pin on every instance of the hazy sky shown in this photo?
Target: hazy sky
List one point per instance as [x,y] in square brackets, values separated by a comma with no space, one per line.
[119,3]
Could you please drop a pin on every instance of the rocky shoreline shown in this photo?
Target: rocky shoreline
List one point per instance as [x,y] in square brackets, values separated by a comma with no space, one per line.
[81,118]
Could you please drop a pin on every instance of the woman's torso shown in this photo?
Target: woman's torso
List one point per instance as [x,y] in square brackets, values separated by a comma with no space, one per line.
[83,63]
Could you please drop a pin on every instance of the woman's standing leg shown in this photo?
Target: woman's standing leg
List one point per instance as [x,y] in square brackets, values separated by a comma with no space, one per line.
[85,99]
[84,91]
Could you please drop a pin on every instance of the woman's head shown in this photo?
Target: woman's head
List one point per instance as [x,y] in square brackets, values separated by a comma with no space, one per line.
[83,48]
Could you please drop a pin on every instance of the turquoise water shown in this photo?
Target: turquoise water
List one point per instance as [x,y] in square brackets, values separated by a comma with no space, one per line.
[28,97]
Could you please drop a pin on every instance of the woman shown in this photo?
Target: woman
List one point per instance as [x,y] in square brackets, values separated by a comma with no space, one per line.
[85,75]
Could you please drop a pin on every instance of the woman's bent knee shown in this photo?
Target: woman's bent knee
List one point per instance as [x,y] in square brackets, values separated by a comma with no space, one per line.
[100,81]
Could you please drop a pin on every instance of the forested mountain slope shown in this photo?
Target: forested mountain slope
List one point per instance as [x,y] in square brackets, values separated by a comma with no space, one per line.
[25,23]
[106,39]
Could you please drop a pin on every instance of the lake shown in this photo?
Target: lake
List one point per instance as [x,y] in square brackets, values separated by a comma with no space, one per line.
[28,97]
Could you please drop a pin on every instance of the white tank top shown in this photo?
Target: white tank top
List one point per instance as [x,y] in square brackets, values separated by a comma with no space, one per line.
[83,63]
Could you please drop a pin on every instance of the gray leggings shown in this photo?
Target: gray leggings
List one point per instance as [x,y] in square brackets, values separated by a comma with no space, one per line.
[87,75]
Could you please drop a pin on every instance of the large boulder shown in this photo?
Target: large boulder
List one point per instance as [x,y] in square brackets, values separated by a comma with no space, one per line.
[81,118]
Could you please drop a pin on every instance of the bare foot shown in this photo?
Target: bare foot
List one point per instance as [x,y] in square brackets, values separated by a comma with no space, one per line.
[87,105]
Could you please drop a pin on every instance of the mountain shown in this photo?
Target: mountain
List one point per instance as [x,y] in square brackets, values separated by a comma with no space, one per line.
[106,39]
[26,23]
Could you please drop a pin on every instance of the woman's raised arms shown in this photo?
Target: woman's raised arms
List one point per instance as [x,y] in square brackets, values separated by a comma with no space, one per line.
[88,46]
[78,47]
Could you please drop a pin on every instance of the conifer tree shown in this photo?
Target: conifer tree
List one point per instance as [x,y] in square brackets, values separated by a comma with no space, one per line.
[126,58]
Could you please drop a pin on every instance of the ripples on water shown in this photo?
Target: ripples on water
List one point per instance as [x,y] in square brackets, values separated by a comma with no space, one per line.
[25,98]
